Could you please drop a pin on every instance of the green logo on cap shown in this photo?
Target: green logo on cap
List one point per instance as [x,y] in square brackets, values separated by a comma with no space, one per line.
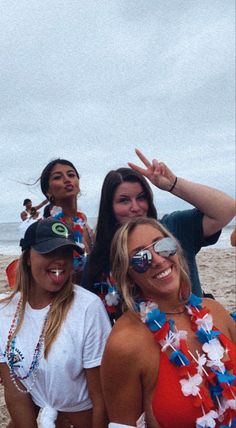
[60,229]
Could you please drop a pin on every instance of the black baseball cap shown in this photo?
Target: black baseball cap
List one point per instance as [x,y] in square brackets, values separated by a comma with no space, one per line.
[46,235]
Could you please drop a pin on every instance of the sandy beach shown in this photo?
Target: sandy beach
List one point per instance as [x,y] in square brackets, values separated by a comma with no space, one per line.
[217,268]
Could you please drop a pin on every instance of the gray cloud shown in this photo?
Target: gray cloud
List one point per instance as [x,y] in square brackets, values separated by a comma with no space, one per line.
[92,80]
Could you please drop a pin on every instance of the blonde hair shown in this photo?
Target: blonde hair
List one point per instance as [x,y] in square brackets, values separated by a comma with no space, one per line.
[59,307]
[120,262]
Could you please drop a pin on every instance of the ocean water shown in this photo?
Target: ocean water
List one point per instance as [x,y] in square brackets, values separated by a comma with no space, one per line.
[9,237]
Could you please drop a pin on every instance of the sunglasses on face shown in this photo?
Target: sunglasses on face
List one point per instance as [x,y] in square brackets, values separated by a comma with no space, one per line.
[141,260]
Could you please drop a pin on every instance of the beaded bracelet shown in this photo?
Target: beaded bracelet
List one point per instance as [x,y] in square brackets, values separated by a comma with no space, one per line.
[174,184]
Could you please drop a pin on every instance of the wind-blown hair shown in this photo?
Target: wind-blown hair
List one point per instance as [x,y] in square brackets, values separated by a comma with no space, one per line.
[107,224]
[59,307]
[45,175]
[120,262]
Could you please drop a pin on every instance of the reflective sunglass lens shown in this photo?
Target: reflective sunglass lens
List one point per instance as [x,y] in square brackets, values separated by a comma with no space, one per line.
[141,261]
[165,247]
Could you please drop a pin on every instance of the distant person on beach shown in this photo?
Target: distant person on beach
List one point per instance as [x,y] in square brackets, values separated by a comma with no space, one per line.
[60,184]
[126,194]
[23,226]
[27,213]
[52,337]
[170,360]
[233,238]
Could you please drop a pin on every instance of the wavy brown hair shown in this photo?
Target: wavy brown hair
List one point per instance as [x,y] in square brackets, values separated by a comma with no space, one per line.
[120,262]
[59,306]
[107,224]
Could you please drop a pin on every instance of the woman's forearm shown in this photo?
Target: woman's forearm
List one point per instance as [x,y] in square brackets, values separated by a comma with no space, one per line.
[23,412]
[218,207]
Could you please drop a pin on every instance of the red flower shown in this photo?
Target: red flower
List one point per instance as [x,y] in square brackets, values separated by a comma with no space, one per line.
[161,334]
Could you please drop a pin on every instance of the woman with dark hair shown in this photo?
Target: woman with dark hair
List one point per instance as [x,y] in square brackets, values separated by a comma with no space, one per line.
[60,184]
[127,194]
[97,278]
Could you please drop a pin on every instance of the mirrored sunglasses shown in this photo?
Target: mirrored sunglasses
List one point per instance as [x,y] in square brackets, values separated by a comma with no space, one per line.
[141,260]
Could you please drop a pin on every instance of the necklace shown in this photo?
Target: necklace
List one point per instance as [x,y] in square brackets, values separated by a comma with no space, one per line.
[10,351]
[205,378]
[108,292]
[77,224]
[176,313]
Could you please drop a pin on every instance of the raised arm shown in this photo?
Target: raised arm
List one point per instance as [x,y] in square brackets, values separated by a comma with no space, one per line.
[37,207]
[218,207]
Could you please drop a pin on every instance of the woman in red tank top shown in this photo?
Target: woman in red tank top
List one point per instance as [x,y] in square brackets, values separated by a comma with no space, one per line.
[170,361]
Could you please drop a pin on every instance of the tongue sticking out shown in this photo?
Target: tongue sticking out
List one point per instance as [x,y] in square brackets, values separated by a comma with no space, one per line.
[57,276]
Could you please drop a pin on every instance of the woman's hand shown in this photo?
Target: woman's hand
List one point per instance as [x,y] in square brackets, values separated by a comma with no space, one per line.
[157,172]
[218,207]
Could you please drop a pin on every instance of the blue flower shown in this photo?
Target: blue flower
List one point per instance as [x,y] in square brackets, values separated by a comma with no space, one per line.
[155,319]
[195,301]
[225,377]
[205,336]
[215,390]
[179,359]
[233,315]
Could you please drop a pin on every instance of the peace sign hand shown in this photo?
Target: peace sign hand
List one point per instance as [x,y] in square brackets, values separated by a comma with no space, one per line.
[157,172]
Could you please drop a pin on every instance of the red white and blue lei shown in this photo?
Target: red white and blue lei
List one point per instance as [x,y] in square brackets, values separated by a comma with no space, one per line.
[78,231]
[206,377]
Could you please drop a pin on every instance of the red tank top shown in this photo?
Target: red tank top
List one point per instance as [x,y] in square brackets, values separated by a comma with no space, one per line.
[170,407]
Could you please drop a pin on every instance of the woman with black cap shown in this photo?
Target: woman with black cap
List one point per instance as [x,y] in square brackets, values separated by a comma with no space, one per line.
[52,336]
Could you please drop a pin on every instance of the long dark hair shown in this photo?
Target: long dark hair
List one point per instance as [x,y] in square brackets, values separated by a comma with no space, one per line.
[44,178]
[107,224]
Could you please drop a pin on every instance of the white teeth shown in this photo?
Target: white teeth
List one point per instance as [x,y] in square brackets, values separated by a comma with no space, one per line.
[164,274]
[56,272]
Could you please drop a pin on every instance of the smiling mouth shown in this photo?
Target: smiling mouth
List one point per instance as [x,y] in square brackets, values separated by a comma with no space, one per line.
[164,273]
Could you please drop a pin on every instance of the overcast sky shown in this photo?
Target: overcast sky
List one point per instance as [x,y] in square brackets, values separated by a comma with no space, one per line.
[91,80]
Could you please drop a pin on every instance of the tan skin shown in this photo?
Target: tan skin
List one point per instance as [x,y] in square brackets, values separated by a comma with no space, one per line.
[64,189]
[129,202]
[22,409]
[131,359]
[233,238]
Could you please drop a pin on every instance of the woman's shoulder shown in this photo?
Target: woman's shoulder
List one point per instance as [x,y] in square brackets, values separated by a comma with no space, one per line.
[128,334]
[130,346]
[221,316]
[85,299]
[9,300]
[82,294]
[214,306]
